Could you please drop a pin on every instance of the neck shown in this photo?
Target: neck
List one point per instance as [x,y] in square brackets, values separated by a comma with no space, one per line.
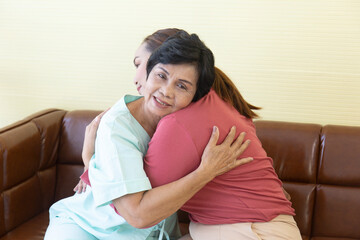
[147,120]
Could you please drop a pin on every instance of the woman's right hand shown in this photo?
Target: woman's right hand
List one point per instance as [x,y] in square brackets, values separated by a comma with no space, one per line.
[219,159]
[80,187]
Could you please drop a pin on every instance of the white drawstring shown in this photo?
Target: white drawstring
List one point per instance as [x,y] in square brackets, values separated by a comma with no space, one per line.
[162,232]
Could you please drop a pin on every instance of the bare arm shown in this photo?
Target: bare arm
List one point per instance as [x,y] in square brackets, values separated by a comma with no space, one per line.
[144,209]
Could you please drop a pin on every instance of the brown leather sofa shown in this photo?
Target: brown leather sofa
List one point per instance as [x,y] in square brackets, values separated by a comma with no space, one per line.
[40,163]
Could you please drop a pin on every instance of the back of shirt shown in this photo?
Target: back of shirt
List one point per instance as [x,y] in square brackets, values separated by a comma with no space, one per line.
[248,193]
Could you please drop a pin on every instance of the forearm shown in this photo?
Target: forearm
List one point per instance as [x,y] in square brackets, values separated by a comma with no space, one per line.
[145,209]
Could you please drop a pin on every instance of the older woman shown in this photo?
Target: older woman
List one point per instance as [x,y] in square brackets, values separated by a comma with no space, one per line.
[179,72]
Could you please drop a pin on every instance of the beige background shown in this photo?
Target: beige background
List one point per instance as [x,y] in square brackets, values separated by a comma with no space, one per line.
[298,59]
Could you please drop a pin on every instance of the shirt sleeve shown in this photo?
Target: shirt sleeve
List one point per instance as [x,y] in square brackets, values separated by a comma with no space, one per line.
[117,168]
[172,153]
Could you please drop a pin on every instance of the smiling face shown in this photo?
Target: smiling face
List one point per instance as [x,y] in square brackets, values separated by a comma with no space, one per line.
[140,60]
[169,88]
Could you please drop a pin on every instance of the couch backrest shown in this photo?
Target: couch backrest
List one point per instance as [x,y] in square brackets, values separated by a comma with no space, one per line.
[294,148]
[320,168]
[337,206]
[70,165]
[40,162]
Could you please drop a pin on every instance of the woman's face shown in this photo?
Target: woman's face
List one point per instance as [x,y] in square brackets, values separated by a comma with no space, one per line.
[140,60]
[169,88]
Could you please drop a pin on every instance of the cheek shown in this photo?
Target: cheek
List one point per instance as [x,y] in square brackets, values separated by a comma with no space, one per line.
[142,74]
[184,101]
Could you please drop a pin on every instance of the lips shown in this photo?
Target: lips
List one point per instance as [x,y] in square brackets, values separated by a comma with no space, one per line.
[161,103]
[138,89]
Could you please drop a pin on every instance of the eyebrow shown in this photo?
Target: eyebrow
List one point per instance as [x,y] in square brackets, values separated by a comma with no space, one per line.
[183,80]
[164,70]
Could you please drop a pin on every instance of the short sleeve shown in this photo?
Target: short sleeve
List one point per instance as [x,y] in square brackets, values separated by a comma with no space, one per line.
[117,168]
[172,153]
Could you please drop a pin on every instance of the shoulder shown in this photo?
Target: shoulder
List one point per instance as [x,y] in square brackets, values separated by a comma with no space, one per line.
[119,123]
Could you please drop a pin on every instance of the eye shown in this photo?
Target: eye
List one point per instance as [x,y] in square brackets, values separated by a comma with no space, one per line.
[161,75]
[182,86]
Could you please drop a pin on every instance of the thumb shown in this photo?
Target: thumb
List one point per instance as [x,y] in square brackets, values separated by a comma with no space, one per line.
[242,161]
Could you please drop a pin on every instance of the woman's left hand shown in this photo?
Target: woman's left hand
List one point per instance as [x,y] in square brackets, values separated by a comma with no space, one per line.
[88,148]
[89,140]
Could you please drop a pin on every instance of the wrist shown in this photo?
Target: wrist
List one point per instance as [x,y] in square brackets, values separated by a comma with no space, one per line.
[202,175]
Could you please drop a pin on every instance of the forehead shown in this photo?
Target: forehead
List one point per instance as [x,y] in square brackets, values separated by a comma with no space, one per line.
[142,51]
[184,71]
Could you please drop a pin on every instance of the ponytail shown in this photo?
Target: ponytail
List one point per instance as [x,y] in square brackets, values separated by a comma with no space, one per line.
[227,90]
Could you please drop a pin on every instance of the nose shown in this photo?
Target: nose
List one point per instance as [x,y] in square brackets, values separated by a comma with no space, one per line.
[167,90]
[136,79]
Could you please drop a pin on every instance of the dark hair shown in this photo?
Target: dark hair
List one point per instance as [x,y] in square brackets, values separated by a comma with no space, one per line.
[227,90]
[185,48]
[154,40]
[222,85]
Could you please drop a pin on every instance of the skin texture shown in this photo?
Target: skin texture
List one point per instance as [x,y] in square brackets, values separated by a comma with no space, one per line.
[141,57]
[169,88]
[144,209]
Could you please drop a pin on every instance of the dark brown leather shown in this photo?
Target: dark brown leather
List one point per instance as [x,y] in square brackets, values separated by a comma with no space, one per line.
[34,229]
[28,155]
[40,162]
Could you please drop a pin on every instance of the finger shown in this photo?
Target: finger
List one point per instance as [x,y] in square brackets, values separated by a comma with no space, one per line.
[97,119]
[243,147]
[80,187]
[230,137]
[243,161]
[102,114]
[83,189]
[95,123]
[239,140]
[214,137]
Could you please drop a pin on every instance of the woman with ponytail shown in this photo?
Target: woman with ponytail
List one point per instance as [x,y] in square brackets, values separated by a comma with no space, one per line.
[247,202]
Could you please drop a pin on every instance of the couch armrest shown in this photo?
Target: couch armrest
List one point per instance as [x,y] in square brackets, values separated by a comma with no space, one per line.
[28,154]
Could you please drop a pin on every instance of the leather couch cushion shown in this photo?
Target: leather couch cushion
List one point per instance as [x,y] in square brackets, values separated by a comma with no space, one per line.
[33,229]
[291,163]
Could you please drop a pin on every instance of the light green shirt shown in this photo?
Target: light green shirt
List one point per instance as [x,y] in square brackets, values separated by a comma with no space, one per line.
[121,144]
[115,170]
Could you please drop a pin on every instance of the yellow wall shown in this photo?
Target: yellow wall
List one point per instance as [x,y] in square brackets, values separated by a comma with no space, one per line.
[299,60]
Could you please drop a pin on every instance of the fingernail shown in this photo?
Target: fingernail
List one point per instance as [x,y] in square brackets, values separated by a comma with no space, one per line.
[214,129]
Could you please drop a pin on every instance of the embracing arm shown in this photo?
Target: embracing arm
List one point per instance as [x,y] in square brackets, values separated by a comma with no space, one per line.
[144,209]
[88,148]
